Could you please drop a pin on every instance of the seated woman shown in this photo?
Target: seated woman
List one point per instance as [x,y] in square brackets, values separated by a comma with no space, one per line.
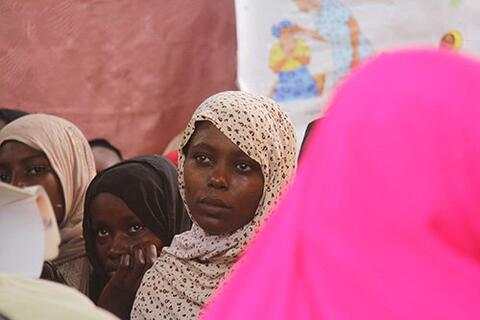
[237,155]
[49,151]
[132,210]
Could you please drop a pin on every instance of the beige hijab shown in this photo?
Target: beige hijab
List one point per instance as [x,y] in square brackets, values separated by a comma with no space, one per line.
[186,273]
[71,158]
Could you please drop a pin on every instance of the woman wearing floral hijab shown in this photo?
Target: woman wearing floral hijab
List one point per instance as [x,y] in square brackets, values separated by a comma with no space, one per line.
[49,151]
[383,219]
[238,154]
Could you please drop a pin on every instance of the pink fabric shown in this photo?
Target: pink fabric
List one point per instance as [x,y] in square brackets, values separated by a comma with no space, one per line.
[173,157]
[383,220]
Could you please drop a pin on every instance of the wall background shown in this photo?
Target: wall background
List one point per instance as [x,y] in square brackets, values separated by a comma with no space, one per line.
[130,71]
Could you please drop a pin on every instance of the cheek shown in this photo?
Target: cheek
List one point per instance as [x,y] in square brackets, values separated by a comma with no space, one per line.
[193,182]
[148,237]
[52,186]
[251,190]
[101,250]
[254,187]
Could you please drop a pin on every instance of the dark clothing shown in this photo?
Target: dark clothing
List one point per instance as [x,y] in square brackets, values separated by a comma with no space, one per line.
[306,136]
[9,115]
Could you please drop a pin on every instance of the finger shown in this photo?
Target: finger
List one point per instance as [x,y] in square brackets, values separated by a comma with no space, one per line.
[151,254]
[124,266]
[139,261]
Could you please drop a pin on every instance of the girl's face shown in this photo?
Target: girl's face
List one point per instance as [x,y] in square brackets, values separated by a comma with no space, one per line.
[23,166]
[223,186]
[448,42]
[287,40]
[117,231]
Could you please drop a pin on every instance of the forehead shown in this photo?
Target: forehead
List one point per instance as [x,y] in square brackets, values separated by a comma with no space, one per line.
[206,134]
[12,150]
[102,152]
[108,209]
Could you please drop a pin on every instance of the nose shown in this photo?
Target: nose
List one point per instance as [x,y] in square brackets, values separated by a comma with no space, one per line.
[18,181]
[120,246]
[219,178]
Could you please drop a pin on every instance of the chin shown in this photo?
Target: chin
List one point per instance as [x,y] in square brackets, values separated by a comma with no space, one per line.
[212,230]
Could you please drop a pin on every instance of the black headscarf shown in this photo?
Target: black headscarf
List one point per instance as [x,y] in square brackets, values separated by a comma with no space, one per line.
[149,187]
[9,115]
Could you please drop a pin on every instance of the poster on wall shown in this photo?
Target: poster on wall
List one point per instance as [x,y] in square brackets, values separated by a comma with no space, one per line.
[297,51]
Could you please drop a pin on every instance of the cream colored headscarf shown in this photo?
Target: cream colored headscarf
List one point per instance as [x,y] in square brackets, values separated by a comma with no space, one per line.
[186,273]
[71,158]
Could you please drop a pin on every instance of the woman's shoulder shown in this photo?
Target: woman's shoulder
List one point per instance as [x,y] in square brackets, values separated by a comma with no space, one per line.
[74,273]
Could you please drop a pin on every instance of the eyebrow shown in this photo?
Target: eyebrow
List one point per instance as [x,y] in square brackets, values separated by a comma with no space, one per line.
[105,222]
[35,157]
[203,145]
[28,159]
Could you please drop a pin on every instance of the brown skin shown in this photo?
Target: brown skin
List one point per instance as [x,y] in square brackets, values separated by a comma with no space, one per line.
[23,166]
[223,186]
[125,249]
[104,158]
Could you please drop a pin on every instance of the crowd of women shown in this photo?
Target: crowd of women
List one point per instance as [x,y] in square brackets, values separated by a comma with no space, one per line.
[380,221]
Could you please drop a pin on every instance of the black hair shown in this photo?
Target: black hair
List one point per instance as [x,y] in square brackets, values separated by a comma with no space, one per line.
[104,143]
[2,317]
[9,115]
[306,136]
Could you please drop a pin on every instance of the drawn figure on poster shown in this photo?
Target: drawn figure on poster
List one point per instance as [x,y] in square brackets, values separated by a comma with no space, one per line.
[335,23]
[289,58]
[452,40]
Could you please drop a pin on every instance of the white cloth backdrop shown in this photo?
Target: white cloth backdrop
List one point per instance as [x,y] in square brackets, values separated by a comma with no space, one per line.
[382,25]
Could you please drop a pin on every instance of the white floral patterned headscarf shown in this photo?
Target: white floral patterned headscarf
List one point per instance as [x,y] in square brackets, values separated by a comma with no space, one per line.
[186,274]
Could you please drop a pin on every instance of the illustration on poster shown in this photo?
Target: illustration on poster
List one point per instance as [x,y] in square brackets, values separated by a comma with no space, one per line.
[335,23]
[290,56]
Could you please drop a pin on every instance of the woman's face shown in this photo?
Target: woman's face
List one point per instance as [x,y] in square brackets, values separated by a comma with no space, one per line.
[23,166]
[223,186]
[117,231]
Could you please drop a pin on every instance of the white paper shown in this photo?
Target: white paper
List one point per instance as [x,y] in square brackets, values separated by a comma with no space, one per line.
[21,239]
[28,230]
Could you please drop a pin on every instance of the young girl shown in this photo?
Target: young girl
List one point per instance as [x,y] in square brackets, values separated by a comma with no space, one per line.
[132,210]
[237,155]
[49,151]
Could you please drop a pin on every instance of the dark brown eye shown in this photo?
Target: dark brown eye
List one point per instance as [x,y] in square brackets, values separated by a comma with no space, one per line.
[102,233]
[135,228]
[202,159]
[36,171]
[244,167]
[4,178]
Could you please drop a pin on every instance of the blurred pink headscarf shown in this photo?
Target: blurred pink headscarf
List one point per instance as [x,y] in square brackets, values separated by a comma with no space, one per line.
[383,220]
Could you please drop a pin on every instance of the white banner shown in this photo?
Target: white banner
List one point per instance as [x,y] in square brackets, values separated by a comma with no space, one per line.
[296,51]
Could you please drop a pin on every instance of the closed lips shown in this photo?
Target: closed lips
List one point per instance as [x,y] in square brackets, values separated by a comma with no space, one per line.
[215,202]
